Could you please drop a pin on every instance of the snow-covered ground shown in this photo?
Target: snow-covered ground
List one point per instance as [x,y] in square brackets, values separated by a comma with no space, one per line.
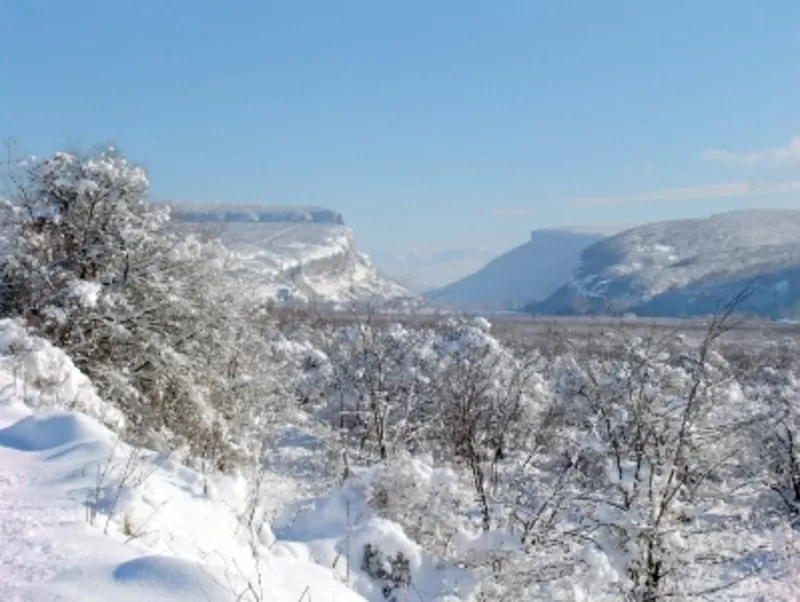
[85,517]
[71,528]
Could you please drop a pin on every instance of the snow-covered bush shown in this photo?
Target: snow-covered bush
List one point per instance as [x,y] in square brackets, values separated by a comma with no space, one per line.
[770,380]
[93,269]
[657,430]
[374,387]
[45,377]
[433,503]
[611,465]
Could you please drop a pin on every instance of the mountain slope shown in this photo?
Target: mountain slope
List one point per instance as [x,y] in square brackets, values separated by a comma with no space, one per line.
[684,267]
[303,253]
[532,270]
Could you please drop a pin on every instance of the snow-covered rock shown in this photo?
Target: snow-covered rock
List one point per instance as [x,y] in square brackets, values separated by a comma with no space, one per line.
[687,267]
[302,254]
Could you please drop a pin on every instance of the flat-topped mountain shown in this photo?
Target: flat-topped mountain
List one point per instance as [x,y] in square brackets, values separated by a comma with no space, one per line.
[215,212]
[302,254]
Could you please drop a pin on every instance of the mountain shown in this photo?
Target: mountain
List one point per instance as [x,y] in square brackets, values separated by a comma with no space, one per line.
[421,270]
[688,267]
[295,253]
[531,271]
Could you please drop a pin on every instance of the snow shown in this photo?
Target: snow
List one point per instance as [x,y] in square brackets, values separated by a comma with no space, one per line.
[295,258]
[49,431]
[340,525]
[87,517]
[87,293]
[191,545]
[187,542]
[684,267]
[48,375]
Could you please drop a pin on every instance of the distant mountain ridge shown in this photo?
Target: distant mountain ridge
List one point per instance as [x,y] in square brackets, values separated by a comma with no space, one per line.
[686,267]
[530,271]
[421,270]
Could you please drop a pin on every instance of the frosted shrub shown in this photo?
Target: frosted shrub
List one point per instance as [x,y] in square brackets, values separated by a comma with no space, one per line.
[432,503]
[94,271]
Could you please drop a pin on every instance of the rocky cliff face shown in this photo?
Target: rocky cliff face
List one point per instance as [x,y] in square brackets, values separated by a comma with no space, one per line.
[216,213]
[295,254]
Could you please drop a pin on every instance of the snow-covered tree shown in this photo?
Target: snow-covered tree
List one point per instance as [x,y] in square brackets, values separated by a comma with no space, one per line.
[658,428]
[376,387]
[93,268]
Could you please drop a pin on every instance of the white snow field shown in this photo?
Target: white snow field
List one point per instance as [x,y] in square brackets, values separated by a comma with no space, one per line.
[86,518]
[190,545]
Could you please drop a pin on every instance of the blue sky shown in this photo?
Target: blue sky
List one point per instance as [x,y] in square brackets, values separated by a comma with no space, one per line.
[429,124]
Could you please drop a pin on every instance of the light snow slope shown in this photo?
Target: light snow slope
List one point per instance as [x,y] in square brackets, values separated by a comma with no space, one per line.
[684,267]
[182,544]
[305,254]
[530,271]
[86,518]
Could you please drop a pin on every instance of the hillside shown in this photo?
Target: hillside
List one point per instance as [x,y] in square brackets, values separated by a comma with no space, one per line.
[684,267]
[533,270]
[301,253]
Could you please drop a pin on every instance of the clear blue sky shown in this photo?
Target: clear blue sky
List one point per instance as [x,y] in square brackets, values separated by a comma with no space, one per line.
[430,123]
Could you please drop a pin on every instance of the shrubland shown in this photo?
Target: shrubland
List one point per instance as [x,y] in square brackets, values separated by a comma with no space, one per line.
[443,462]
